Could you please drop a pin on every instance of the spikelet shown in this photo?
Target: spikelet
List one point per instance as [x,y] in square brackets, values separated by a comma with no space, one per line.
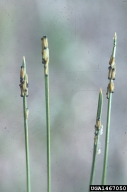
[112,63]
[113,73]
[98,123]
[22,73]
[44,42]
[111,87]
[45,55]
[46,67]
[26,80]
[24,85]
[27,113]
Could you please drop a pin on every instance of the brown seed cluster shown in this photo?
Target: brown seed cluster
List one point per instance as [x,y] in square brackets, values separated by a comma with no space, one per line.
[111,77]
[112,71]
[23,82]
[45,54]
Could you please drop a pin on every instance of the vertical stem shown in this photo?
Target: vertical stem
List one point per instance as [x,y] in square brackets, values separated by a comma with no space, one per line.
[45,61]
[26,144]
[24,93]
[107,140]
[98,126]
[93,165]
[48,132]
[110,90]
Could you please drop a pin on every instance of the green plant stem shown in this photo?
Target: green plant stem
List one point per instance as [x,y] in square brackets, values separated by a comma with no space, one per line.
[96,138]
[48,132]
[93,165]
[26,144]
[26,133]
[45,61]
[111,62]
[107,140]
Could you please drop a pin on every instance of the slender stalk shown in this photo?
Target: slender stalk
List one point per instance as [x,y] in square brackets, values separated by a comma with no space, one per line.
[24,93]
[110,90]
[45,61]
[97,134]
[107,141]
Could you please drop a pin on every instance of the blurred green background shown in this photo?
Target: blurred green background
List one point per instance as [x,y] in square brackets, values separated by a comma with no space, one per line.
[80,35]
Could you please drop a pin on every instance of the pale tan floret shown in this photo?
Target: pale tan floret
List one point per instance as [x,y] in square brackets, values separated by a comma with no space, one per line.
[26,80]
[98,123]
[45,55]
[26,76]
[24,85]
[22,73]
[113,72]
[111,87]
[44,42]
[112,61]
